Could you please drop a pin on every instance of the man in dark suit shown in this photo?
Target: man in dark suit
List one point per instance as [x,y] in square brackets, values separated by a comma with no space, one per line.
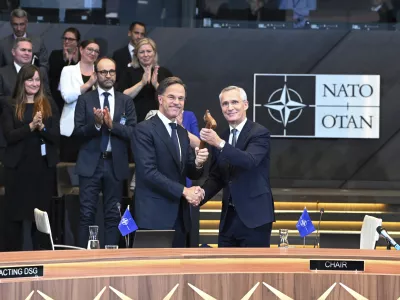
[240,166]
[19,22]
[164,159]
[106,119]
[22,55]
[123,56]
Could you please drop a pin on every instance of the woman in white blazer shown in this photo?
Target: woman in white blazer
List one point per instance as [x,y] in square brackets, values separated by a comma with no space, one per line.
[75,80]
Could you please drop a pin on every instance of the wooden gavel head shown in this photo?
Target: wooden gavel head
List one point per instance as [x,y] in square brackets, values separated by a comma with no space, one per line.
[210,124]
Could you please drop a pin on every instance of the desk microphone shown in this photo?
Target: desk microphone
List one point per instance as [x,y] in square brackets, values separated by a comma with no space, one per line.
[382,231]
[316,242]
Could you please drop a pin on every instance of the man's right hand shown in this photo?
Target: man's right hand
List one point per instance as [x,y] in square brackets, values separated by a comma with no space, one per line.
[194,195]
[98,116]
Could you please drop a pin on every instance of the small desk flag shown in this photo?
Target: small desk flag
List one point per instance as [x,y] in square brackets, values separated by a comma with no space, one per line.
[305,225]
[127,223]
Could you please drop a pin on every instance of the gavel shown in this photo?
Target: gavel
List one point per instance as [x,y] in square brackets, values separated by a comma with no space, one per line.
[210,124]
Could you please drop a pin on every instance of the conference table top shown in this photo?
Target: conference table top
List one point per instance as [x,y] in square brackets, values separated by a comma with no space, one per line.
[123,262]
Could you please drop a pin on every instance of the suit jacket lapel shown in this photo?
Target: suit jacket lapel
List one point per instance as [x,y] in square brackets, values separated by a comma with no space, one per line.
[129,55]
[243,135]
[183,141]
[117,108]
[166,138]
[96,99]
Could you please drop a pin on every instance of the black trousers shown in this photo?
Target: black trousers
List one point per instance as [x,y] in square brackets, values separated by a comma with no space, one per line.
[103,180]
[236,234]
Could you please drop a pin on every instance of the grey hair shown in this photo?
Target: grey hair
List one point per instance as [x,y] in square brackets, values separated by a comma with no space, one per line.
[19,40]
[18,13]
[241,91]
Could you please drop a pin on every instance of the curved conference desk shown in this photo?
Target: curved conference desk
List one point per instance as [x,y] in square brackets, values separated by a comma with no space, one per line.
[201,273]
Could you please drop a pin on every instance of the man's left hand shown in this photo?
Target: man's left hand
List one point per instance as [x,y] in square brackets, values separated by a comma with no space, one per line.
[107,118]
[210,137]
[201,156]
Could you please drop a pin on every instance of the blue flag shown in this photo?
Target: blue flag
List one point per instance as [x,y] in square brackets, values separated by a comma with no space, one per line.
[127,224]
[305,225]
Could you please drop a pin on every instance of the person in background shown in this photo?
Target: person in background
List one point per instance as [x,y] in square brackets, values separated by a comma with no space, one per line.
[141,81]
[67,56]
[31,127]
[76,80]
[105,119]
[19,23]
[240,165]
[22,55]
[388,10]
[123,57]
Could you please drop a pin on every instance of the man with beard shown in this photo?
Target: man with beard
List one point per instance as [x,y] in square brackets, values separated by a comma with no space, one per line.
[106,119]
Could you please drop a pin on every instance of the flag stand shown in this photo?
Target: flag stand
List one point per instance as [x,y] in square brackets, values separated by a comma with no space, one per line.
[128,235]
[304,242]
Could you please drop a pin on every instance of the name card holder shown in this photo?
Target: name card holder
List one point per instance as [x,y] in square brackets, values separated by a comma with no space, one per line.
[337,265]
[21,272]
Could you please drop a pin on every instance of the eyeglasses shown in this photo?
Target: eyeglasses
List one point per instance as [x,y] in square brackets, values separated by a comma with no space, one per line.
[91,50]
[105,72]
[67,39]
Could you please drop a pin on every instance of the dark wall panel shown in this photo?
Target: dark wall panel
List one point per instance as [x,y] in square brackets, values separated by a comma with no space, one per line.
[211,59]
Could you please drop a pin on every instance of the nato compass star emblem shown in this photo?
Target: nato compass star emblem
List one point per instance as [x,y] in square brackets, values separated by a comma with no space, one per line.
[287,103]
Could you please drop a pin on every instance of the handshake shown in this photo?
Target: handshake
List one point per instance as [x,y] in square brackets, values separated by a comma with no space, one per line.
[37,122]
[193,195]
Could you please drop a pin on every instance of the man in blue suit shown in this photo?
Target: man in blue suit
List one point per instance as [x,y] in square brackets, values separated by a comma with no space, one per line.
[163,160]
[106,119]
[240,166]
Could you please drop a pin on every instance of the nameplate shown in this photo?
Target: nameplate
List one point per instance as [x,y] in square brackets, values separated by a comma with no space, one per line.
[337,265]
[20,272]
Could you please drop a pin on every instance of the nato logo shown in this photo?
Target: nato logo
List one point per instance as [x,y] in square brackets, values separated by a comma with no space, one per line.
[318,106]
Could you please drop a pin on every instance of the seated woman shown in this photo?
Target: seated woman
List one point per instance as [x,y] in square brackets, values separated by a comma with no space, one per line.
[75,81]
[32,130]
[141,80]
[58,59]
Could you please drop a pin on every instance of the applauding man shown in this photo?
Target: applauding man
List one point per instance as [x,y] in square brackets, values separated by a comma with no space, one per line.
[241,167]
[164,159]
[105,119]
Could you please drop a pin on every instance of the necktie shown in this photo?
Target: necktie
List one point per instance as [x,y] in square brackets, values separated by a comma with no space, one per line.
[234,138]
[105,134]
[174,138]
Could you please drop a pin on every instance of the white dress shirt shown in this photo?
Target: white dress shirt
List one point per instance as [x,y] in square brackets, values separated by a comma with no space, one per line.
[17,67]
[239,128]
[111,101]
[166,122]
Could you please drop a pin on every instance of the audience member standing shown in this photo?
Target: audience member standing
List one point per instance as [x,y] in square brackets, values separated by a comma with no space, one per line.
[22,55]
[31,127]
[105,119]
[75,81]
[123,57]
[67,56]
[19,23]
[141,81]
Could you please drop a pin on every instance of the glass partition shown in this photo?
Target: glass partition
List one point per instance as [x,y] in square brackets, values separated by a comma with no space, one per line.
[258,14]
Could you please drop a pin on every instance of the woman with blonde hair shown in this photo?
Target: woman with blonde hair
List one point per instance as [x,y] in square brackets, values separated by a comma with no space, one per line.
[141,80]
[31,126]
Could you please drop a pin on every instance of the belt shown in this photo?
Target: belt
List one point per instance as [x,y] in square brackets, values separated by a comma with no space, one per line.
[106,155]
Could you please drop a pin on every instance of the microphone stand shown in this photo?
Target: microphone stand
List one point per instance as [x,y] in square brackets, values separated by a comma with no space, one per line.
[388,246]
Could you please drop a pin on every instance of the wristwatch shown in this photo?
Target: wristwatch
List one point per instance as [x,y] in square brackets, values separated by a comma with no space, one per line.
[222,144]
